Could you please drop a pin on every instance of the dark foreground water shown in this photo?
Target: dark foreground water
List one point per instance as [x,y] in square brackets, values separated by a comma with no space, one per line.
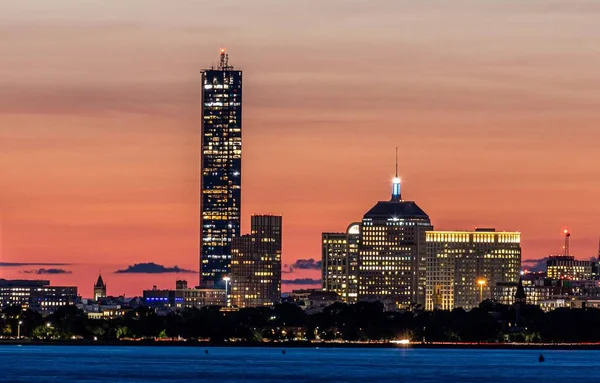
[191,364]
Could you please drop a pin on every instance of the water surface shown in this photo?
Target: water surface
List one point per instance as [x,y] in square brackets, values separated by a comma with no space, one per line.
[120,364]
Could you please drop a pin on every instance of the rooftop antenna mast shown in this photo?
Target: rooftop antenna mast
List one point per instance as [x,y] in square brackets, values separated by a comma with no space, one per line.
[396,194]
[224,60]
[396,162]
[567,235]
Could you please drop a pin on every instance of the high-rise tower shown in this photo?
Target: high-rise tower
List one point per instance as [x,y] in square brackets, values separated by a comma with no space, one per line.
[339,266]
[392,252]
[221,169]
[256,264]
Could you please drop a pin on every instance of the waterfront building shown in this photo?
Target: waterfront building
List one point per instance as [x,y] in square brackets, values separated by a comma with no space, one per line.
[339,262]
[164,298]
[392,252]
[313,300]
[204,297]
[570,302]
[506,292]
[256,264]
[37,295]
[539,288]
[184,297]
[99,289]
[464,266]
[107,307]
[221,170]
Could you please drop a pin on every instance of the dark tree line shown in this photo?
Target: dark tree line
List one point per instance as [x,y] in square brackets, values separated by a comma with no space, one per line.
[362,321]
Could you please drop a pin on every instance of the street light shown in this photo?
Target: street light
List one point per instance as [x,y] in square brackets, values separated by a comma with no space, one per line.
[19,329]
[226,279]
[481,283]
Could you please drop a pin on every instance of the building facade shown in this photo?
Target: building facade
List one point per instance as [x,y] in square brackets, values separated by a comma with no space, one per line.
[463,267]
[505,292]
[312,300]
[221,169]
[183,297]
[256,264]
[567,267]
[339,262]
[37,295]
[392,252]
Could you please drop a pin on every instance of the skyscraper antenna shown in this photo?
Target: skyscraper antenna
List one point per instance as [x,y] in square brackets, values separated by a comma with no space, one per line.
[396,196]
[567,235]
[224,60]
[396,161]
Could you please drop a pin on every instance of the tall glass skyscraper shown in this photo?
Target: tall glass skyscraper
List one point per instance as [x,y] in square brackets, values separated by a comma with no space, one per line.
[221,169]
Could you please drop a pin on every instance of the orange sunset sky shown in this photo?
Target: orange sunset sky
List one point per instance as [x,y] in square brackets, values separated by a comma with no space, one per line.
[494,106]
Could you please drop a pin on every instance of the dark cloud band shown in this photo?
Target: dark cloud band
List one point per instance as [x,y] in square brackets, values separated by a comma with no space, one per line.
[152,268]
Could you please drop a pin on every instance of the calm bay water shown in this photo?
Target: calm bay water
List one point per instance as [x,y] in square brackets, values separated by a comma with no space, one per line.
[221,364]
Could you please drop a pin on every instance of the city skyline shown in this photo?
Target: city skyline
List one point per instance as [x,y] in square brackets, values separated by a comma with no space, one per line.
[100,144]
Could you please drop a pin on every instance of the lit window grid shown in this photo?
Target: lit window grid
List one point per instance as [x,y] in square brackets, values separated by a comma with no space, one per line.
[221,170]
[256,264]
[392,261]
[340,263]
[456,260]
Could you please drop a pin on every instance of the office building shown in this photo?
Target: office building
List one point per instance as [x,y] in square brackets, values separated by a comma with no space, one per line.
[464,266]
[256,264]
[339,262]
[392,252]
[567,267]
[184,297]
[221,169]
[99,289]
[37,295]
[505,292]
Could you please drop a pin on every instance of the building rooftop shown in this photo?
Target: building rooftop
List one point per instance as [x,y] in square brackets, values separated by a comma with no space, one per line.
[396,209]
[99,282]
[23,283]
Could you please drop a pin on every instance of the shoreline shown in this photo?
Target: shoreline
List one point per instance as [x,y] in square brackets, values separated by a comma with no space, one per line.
[162,343]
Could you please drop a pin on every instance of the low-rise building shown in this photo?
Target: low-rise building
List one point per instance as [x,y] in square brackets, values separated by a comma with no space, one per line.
[504,293]
[314,301]
[571,302]
[182,297]
[104,308]
[37,295]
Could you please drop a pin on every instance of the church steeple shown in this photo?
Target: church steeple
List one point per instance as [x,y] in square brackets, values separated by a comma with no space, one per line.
[520,296]
[99,288]
[100,282]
